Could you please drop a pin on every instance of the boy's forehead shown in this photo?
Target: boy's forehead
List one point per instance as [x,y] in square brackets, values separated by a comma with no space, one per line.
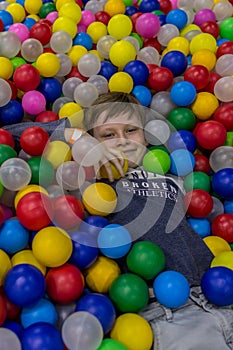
[124,117]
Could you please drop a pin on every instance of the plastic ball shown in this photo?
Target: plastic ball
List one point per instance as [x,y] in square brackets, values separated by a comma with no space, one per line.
[226,28]
[223,259]
[171,289]
[114,241]
[199,106]
[198,75]
[42,311]
[210,134]
[5,94]
[6,152]
[121,53]
[15,173]
[180,44]
[114,7]
[147,25]
[99,199]
[204,57]
[138,70]
[142,94]
[156,161]
[224,115]
[139,335]
[31,49]
[33,102]
[89,64]
[149,55]
[102,16]
[183,93]
[216,244]
[101,307]
[176,61]
[223,88]
[104,44]
[9,339]
[203,41]
[161,103]
[166,33]
[177,17]
[5,265]
[66,24]
[96,30]
[13,236]
[26,77]
[221,158]
[121,82]
[10,44]
[182,162]
[70,176]
[33,140]
[85,94]
[222,226]
[57,152]
[216,285]
[82,329]
[100,82]
[34,210]
[87,151]
[119,26]
[160,78]
[11,113]
[111,344]
[197,179]
[201,226]
[43,333]
[182,139]
[52,246]
[129,293]
[51,88]
[198,203]
[101,274]
[42,171]
[48,64]
[26,257]
[107,69]
[24,285]
[7,68]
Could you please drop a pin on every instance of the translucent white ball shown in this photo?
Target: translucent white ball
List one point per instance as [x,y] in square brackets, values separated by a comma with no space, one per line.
[85,94]
[15,173]
[89,64]
[157,132]
[223,89]
[70,175]
[87,151]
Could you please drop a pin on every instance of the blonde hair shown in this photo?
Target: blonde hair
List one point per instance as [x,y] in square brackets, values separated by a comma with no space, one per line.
[113,104]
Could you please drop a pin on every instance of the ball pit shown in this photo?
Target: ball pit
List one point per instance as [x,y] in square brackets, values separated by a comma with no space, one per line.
[56,58]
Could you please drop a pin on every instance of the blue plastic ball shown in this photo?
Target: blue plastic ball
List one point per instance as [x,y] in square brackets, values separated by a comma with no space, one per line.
[182,139]
[107,69]
[171,289]
[24,285]
[182,162]
[138,70]
[149,5]
[51,88]
[114,241]
[176,61]
[131,10]
[92,224]
[83,39]
[11,113]
[228,207]
[101,307]
[14,326]
[85,250]
[142,94]
[13,236]
[222,183]
[42,335]
[6,18]
[42,311]
[29,22]
[201,226]
[217,285]
[177,17]
[183,93]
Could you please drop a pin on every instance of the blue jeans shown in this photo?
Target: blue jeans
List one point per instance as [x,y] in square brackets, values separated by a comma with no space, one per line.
[198,325]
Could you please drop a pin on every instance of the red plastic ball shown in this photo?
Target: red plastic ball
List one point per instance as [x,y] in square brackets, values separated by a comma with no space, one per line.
[224,115]
[3,310]
[64,284]
[35,210]
[210,134]
[213,78]
[151,66]
[134,18]
[12,310]
[201,163]
[1,26]
[26,77]
[154,43]
[222,226]
[165,6]
[198,203]
[33,140]
[198,75]
[46,116]
[42,32]
[103,17]
[68,211]
[75,73]
[160,79]
[6,138]
[211,28]
[14,90]
[224,49]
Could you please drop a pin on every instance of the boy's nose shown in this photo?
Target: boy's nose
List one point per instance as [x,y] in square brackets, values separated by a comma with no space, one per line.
[122,140]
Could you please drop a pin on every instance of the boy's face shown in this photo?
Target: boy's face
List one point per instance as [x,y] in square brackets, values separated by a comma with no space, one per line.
[124,133]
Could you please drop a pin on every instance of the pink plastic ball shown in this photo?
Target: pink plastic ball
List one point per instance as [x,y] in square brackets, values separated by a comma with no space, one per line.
[87,18]
[52,16]
[174,4]
[33,102]
[147,25]
[21,30]
[203,16]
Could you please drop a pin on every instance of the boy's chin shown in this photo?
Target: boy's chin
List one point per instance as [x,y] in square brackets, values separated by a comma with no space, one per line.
[132,164]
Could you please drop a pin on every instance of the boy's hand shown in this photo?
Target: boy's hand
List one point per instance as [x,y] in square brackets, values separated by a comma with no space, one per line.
[112,158]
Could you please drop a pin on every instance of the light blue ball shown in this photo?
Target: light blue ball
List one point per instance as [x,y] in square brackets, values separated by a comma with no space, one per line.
[13,236]
[42,311]
[182,162]
[183,93]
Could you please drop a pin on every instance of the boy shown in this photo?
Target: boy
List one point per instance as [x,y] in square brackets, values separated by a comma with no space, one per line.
[150,206]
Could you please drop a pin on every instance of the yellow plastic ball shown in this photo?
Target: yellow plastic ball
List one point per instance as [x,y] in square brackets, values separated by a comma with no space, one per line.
[95,52]
[27,189]
[48,64]
[5,265]
[120,26]
[203,41]
[52,246]
[100,275]
[33,16]
[223,259]
[122,52]
[71,10]
[205,58]
[17,11]
[179,44]
[96,30]
[99,199]
[216,244]
[76,119]
[115,172]
[6,69]
[121,82]
[60,3]
[133,331]
[65,23]
[68,109]
[189,28]
[57,152]
[204,105]
[114,7]
[27,257]
[33,6]
[75,53]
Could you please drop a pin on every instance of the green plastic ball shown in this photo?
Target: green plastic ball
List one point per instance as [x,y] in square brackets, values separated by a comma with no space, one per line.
[111,344]
[197,180]
[129,293]
[226,28]
[156,161]
[182,118]
[46,9]
[146,259]
[42,171]
[6,152]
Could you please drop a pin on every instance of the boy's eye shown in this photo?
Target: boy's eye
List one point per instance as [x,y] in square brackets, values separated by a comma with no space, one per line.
[108,135]
[132,129]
